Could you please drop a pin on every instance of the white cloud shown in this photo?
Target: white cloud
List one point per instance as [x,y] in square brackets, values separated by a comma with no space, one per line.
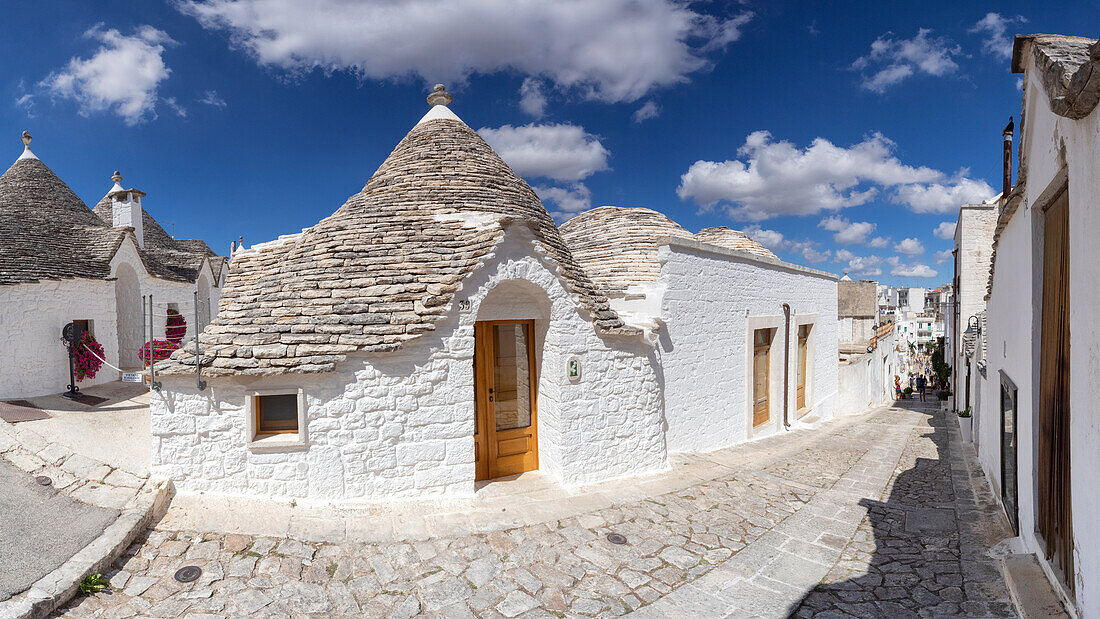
[813,256]
[176,107]
[864,266]
[532,99]
[778,178]
[944,197]
[843,255]
[568,201]
[613,50]
[943,256]
[912,270]
[945,230]
[647,111]
[879,241]
[910,247]
[211,97]
[122,75]
[847,232]
[892,60]
[771,239]
[994,28]
[562,152]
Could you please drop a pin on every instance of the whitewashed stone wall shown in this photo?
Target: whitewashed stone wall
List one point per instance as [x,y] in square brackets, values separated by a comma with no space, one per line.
[401,424]
[974,244]
[713,300]
[867,380]
[33,360]
[1054,149]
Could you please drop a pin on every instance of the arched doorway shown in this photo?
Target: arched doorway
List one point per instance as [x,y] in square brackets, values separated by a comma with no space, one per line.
[509,336]
[128,316]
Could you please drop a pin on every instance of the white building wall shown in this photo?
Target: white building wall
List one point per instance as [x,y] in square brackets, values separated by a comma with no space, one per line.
[866,381]
[35,362]
[1052,145]
[401,424]
[713,301]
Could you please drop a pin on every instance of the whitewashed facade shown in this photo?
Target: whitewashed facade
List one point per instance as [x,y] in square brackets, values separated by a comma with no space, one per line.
[63,262]
[1059,157]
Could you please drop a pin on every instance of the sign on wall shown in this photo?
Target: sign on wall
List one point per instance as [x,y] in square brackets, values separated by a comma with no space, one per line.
[573,368]
[131,377]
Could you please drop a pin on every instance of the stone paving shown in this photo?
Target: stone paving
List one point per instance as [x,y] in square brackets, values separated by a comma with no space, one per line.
[868,516]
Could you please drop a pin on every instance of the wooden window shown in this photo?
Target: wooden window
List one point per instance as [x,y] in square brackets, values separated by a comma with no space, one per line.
[82,326]
[800,369]
[762,343]
[276,414]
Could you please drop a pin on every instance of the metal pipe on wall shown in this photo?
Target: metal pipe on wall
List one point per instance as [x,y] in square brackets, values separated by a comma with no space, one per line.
[786,362]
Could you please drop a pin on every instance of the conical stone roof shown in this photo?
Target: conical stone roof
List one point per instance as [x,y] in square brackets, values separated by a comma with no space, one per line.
[164,256]
[733,239]
[617,246]
[382,269]
[46,231]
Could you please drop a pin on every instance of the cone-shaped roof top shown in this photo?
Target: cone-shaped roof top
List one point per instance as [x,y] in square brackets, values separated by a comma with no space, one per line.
[46,231]
[733,239]
[617,246]
[383,268]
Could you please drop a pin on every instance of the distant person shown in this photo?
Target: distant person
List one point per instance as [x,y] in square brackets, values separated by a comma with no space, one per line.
[921,384]
[897,387]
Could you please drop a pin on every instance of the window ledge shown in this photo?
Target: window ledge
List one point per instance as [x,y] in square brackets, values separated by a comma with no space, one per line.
[276,442]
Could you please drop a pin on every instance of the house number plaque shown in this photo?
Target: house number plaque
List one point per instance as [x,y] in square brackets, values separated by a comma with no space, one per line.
[573,369]
[464,305]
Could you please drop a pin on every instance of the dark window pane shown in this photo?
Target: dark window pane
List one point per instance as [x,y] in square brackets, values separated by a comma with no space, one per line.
[277,413]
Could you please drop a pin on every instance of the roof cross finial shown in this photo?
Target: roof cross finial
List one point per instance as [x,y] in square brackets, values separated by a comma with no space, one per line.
[117,177]
[439,96]
[27,139]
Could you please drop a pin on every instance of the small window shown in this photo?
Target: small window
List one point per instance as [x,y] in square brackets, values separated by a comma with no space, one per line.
[276,414]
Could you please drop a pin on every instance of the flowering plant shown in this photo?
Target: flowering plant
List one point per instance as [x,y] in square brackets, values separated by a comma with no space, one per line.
[176,327]
[86,356]
[162,349]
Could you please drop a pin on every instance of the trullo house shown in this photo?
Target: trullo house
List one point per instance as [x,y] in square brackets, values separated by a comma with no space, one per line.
[63,262]
[438,329]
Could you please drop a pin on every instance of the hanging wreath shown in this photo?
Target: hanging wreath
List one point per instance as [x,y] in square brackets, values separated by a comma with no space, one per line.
[176,327]
[162,349]
[87,357]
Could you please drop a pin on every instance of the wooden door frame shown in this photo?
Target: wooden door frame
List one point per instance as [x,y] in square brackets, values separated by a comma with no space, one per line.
[767,348]
[802,345]
[483,379]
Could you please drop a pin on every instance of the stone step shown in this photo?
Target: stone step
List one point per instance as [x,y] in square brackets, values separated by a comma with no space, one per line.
[1032,594]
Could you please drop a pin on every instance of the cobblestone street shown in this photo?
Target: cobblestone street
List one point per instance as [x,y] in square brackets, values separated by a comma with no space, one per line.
[876,515]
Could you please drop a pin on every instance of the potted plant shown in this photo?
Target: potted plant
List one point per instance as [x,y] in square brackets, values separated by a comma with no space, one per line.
[907,393]
[965,425]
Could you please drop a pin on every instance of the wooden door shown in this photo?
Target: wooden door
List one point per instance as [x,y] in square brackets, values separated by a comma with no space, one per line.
[761,356]
[1055,522]
[506,428]
[800,369]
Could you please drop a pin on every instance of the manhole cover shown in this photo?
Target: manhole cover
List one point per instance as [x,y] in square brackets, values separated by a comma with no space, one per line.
[616,538]
[189,573]
[43,480]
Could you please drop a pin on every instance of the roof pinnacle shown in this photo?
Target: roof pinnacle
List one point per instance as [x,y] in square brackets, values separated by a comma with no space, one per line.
[27,139]
[439,96]
[117,177]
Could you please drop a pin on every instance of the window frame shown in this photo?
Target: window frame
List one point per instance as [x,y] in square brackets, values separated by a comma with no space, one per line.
[278,440]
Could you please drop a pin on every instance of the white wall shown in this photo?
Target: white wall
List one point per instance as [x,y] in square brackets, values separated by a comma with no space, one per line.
[866,381]
[35,362]
[713,300]
[1052,145]
[401,424]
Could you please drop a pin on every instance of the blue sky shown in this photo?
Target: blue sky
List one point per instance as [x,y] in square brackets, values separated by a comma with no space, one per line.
[842,135]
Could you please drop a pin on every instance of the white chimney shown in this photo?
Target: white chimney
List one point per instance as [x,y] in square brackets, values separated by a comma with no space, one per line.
[126,208]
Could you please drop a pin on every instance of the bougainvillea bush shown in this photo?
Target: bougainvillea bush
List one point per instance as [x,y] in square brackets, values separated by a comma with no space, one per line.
[176,327]
[162,349]
[87,357]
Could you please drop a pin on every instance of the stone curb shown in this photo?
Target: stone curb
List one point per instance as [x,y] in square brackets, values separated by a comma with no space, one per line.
[140,500]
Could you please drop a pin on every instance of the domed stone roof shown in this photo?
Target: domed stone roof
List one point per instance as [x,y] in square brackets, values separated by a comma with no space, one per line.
[46,231]
[382,269]
[617,245]
[733,239]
